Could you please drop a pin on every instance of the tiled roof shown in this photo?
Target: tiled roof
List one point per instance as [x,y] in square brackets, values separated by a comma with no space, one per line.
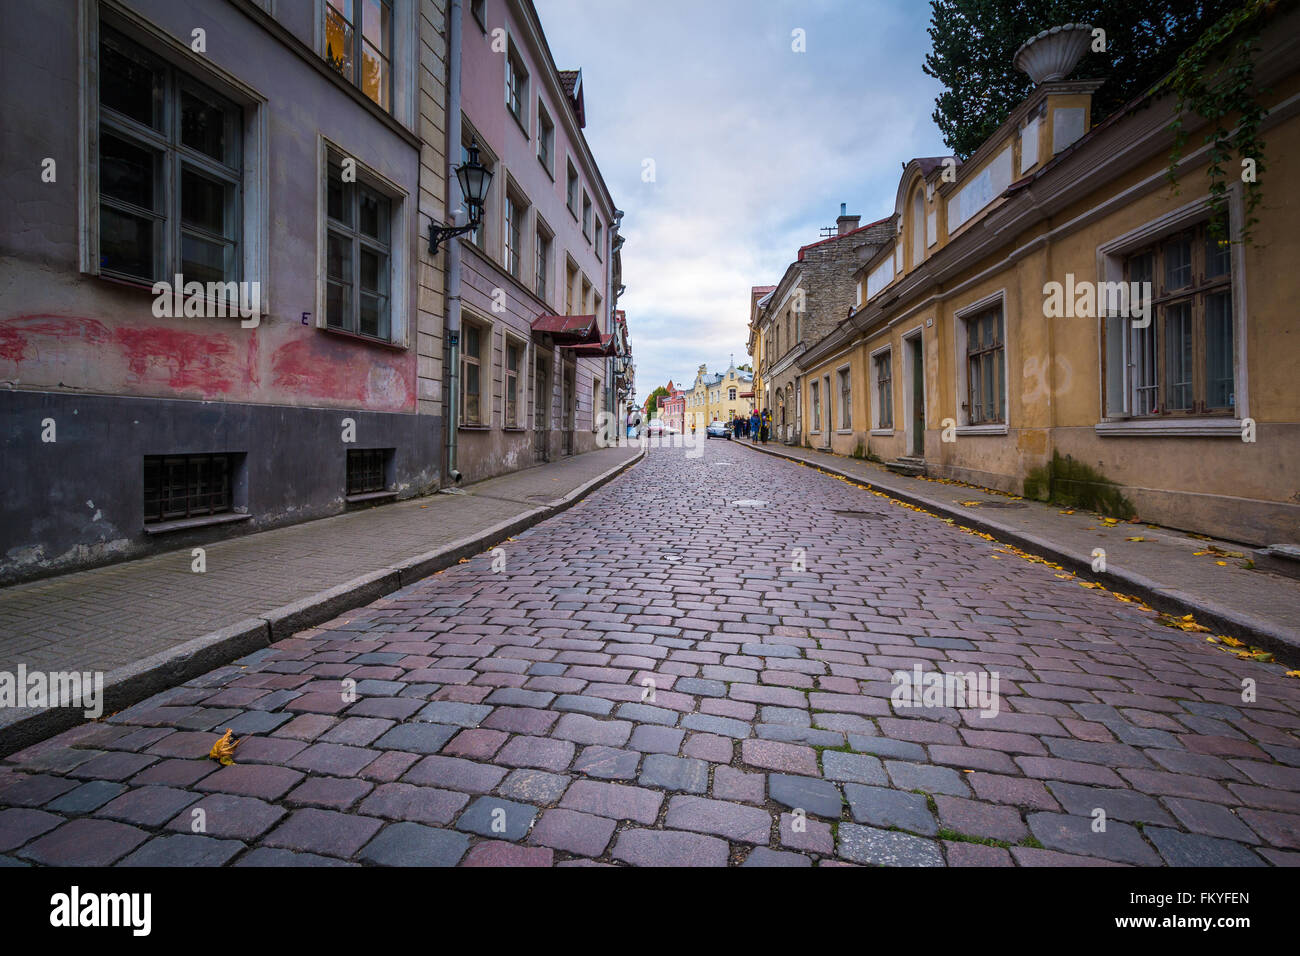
[851,232]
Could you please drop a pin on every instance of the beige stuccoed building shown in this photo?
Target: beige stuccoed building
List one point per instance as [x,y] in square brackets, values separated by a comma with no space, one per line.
[978,354]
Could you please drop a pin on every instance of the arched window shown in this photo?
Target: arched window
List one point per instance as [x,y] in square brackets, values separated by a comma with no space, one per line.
[918,226]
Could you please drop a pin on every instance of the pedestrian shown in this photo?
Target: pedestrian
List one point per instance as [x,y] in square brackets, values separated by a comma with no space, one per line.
[765,426]
[753,424]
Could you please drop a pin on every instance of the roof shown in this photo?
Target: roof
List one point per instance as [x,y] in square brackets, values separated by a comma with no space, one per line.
[571,81]
[851,232]
[762,289]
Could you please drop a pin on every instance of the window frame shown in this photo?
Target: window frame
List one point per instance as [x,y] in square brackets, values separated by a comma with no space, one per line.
[360,242]
[543,258]
[1115,396]
[518,89]
[359,43]
[515,210]
[483,367]
[514,422]
[845,375]
[882,388]
[171,159]
[545,139]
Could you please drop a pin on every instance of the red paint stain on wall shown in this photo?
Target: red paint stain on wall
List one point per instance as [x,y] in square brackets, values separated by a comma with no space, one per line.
[181,360]
[344,371]
[22,333]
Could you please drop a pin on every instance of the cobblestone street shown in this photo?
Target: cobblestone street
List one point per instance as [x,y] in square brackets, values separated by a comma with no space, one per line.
[693,666]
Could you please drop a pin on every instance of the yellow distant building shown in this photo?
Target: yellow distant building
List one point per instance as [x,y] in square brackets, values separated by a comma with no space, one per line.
[717,396]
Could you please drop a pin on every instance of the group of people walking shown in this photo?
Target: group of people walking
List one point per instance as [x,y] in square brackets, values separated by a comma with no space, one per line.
[757,427]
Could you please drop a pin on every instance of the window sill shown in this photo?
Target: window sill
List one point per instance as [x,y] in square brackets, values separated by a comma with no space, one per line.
[369,496]
[882,432]
[1166,427]
[514,428]
[996,429]
[473,428]
[358,337]
[844,431]
[190,524]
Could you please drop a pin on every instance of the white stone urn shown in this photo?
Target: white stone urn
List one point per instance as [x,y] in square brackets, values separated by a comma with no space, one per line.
[1052,54]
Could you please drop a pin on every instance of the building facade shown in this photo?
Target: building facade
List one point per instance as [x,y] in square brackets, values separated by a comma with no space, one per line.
[209,252]
[533,284]
[1053,320]
[816,292]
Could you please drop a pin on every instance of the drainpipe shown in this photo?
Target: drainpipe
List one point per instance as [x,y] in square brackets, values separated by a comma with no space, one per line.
[455,19]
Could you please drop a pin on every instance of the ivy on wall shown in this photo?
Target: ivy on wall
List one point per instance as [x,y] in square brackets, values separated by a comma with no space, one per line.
[1214,78]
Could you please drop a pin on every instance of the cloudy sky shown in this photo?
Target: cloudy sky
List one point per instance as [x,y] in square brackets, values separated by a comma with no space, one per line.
[754,145]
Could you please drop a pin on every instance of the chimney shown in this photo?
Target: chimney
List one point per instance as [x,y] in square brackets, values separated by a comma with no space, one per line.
[846,222]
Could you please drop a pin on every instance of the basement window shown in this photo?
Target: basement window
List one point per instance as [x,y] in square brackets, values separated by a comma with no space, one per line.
[368,470]
[181,487]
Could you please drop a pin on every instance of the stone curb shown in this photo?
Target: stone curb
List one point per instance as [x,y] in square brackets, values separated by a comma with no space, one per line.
[129,685]
[1244,626]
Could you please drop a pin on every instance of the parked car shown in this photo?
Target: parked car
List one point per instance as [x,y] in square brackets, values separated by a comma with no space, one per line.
[657,426]
[718,429]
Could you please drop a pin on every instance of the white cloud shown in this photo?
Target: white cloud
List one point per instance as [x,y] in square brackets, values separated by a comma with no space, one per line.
[755,146]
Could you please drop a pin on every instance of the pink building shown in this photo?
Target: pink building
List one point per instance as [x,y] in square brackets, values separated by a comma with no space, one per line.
[536,279]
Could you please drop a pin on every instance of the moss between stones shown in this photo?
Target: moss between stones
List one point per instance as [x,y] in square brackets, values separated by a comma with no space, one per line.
[1073,484]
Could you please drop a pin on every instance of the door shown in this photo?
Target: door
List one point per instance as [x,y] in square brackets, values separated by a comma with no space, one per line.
[917,424]
[569,412]
[541,411]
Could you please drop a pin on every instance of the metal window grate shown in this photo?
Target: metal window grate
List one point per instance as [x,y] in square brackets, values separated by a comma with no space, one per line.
[186,486]
[367,470]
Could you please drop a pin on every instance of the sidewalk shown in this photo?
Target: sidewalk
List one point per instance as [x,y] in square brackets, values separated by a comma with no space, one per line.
[1163,568]
[154,622]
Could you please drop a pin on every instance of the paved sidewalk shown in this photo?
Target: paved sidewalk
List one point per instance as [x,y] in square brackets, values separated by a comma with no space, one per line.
[136,615]
[1172,570]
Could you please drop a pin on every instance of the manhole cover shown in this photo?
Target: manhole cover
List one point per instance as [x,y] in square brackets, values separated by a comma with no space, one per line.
[856,514]
[749,503]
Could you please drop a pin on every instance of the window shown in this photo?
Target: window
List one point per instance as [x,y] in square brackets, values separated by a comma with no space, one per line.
[514,353]
[177,487]
[473,338]
[545,139]
[918,227]
[357,257]
[479,9]
[985,368]
[816,403]
[731,394]
[586,303]
[514,234]
[571,191]
[586,215]
[517,87]
[595,405]
[359,45]
[159,126]
[600,240]
[881,369]
[1182,362]
[846,399]
[596,309]
[570,284]
[543,265]
[368,470]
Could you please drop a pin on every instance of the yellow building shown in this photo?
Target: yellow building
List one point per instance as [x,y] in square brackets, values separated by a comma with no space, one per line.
[717,396]
[1054,320]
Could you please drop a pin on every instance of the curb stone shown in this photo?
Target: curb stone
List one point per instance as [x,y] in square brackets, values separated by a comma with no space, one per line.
[129,685]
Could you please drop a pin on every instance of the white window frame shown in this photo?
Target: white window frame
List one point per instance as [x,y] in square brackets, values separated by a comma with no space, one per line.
[254,242]
[1110,268]
[846,404]
[508,339]
[399,259]
[959,345]
[884,431]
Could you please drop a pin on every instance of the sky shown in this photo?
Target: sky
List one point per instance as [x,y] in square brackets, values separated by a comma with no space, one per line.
[754,146]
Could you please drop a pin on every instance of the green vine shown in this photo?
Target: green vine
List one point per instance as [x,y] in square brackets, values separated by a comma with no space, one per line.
[1215,79]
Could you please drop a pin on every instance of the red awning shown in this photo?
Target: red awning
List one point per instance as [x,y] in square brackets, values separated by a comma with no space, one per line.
[591,350]
[568,329]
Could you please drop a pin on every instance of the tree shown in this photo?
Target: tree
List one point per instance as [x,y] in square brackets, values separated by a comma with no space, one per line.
[974,41]
[652,402]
